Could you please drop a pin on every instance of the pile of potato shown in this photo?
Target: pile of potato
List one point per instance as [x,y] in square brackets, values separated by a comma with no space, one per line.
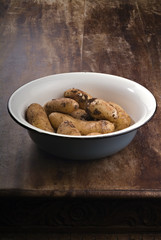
[78,113]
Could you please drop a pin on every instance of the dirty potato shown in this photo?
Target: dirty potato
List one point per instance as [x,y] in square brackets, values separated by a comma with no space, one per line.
[63,105]
[36,115]
[123,120]
[68,128]
[78,95]
[100,109]
[80,114]
[84,127]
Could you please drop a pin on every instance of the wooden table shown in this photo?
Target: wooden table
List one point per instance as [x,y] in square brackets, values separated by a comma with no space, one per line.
[121,193]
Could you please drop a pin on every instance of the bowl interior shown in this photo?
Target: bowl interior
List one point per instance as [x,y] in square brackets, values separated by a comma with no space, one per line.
[139,103]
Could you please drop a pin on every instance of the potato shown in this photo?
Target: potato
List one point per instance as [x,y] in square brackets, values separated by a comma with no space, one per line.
[64,105]
[92,134]
[68,128]
[123,120]
[100,109]
[80,114]
[78,95]
[84,127]
[36,115]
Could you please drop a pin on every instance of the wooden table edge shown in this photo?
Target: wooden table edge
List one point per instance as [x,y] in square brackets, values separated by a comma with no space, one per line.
[121,193]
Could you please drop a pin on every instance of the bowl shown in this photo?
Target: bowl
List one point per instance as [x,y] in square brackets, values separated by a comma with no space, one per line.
[137,101]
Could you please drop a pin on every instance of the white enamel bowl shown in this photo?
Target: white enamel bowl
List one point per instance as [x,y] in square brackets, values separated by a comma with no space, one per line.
[138,102]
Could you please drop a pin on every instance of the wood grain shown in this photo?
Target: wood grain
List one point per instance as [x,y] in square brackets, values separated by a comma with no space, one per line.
[39,38]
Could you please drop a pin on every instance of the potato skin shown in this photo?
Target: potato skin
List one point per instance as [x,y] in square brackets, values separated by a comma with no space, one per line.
[68,128]
[93,134]
[80,114]
[63,105]
[84,127]
[100,109]
[123,120]
[36,115]
[78,95]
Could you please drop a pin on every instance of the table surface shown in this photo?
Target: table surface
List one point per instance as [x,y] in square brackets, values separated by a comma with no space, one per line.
[40,38]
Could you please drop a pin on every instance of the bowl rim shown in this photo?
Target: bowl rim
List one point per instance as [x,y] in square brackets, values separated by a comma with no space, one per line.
[124,131]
